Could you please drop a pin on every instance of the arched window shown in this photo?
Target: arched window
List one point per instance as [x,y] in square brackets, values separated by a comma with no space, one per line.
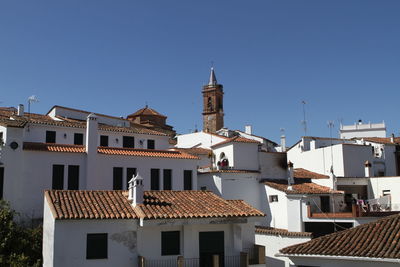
[221,156]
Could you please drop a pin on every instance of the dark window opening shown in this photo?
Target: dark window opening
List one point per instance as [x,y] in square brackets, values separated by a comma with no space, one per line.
[50,136]
[273,198]
[209,104]
[155,179]
[78,139]
[128,141]
[203,188]
[103,140]
[130,172]
[1,182]
[170,243]
[96,246]
[150,144]
[73,177]
[58,177]
[117,178]
[187,180]
[325,204]
[167,182]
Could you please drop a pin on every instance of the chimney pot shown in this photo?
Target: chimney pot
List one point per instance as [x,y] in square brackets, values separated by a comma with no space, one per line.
[247,129]
[20,111]
[136,190]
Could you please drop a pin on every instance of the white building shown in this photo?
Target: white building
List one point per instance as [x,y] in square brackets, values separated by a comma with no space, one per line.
[360,129]
[372,244]
[75,149]
[114,228]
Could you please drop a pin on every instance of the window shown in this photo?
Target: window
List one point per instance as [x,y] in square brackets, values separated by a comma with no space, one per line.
[150,144]
[155,179]
[187,180]
[117,178]
[167,175]
[1,182]
[58,177]
[170,243]
[78,139]
[96,246]
[273,198]
[130,172]
[203,188]
[386,192]
[128,141]
[50,136]
[73,177]
[103,140]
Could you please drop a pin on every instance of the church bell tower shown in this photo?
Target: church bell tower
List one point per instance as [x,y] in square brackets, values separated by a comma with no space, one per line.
[213,111]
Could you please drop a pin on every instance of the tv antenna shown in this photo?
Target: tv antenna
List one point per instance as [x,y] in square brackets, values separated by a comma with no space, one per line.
[32,99]
[304,122]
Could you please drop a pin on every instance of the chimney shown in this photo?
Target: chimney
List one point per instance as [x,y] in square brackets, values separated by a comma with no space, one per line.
[290,175]
[392,138]
[368,169]
[283,143]
[91,133]
[20,111]
[136,190]
[247,129]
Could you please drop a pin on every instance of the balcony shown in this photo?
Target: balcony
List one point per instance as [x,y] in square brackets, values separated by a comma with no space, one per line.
[355,211]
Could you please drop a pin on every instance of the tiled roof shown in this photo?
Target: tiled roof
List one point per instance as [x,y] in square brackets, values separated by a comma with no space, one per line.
[193,204]
[382,140]
[303,173]
[195,150]
[79,204]
[113,204]
[280,232]
[108,150]
[53,147]
[378,239]
[145,153]
[9,118]
[300,187]
[237,139]
[146,111]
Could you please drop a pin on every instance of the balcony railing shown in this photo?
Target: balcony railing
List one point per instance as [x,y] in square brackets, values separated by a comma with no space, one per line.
[357,210]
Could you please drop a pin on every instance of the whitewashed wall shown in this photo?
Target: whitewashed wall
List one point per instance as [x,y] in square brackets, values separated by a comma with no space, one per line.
[272,165]
[199,139]
[273,243]
[245,156]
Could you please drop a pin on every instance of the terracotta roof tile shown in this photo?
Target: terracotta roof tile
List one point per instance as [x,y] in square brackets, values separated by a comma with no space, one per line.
[79,204]
[145,153]
[237,139]
[193,204]
[303,173]
[379,239]
[382,140]
[114,204]
[146,111]
[281,232]
[53,147]
[195,150]
[300,187]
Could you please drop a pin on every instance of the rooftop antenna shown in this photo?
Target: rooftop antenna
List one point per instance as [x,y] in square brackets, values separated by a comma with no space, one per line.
[304,122]
[31,99]
[331,125]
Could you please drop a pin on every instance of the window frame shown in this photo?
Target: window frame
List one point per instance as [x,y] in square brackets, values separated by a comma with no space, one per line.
[128,141]
[118,176]
[167,174]
[166,240]
[102,139]
[155,179]
[78,138]
[185,180]
[92,239]
[51,135]
[151,144]
[73,177]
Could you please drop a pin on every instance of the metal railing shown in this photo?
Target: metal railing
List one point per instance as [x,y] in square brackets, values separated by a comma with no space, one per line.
[161,263]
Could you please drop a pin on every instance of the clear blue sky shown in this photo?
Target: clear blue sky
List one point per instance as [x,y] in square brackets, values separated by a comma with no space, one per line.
[342,57]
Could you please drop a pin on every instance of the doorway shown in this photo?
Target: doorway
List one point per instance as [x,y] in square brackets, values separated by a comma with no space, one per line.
[211,243]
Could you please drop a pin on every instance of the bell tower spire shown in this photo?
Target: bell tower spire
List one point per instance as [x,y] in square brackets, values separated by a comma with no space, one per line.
[213,111]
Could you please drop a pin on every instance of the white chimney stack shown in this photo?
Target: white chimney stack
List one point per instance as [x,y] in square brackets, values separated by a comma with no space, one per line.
[368,169]
[392,138]
[136,190]
[20,111]
[247,129]
[91,133]
[283,143]
[290,175]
